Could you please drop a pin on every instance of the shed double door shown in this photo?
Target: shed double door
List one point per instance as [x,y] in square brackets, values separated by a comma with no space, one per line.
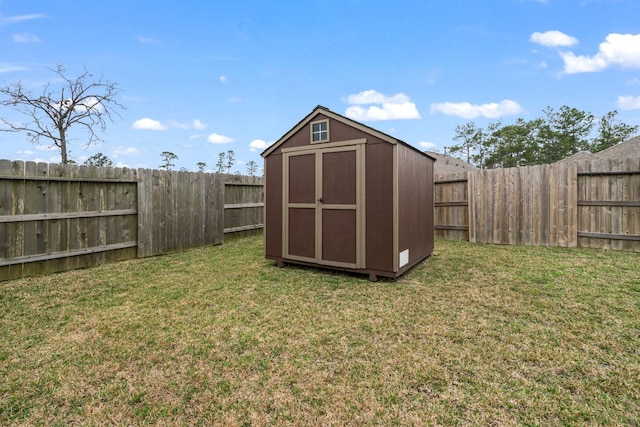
[323,205]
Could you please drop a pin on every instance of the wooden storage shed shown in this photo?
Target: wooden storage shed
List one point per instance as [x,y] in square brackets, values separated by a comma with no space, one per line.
[342,195]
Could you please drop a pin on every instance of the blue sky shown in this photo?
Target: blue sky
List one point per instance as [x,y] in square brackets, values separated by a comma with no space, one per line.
[199,78]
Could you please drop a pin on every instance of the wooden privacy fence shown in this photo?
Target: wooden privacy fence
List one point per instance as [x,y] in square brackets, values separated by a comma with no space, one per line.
[55,218]
[572,204]
[451,206]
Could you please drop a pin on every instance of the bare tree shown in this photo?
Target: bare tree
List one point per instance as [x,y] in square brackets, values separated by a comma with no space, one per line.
[225,161]
[81,102]
[220,166]
[252,168]
[230,160]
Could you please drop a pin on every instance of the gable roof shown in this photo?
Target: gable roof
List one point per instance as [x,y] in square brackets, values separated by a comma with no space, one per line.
[450,164]
[626,149]
[579,156]
[335,116]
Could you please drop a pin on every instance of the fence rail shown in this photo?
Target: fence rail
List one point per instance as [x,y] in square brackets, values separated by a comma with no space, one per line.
[451,206]
[243,205]
[574,204]
[55,218]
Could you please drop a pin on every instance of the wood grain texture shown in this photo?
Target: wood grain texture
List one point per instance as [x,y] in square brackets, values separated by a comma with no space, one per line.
[592,203]
[57,218]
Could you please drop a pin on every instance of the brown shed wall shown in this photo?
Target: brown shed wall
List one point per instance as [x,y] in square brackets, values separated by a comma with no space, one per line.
[273,206]
[379,205]
[338,131]
[413,180]
[415,204]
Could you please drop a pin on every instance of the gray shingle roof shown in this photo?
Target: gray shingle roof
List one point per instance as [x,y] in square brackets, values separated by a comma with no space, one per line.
[624,150]
[627,149]
[582,155]
[449,164]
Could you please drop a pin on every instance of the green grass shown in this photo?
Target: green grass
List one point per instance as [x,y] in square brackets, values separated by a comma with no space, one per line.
[476,335]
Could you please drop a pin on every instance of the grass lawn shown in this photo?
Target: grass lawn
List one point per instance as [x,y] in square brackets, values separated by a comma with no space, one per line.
[476,335]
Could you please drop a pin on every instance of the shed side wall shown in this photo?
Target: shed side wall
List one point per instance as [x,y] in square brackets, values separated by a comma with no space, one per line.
[273,206]
[415,201]
[379,205]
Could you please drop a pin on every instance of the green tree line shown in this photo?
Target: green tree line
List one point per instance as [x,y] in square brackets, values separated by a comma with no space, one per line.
[548,139]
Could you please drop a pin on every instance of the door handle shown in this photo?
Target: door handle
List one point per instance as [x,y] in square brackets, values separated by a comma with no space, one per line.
[320,200]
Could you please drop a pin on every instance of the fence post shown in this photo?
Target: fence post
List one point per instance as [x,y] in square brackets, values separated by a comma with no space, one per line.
[572,203]
[472,200]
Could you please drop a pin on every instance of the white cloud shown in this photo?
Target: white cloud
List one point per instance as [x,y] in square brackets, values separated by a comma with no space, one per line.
[195,124]
[386,112]
[89,103]
[258,145]
[41,147]
[198,125]
[374,97]
[582,64]
[215,138]
[553,39]
[25,38]
[148,40]
[622,50]
[151,124]
[117,152]
[20,18]
[396,107]
[629,102]
[467,110]
[223,79]
[427,145]
[6,68]
[148,124]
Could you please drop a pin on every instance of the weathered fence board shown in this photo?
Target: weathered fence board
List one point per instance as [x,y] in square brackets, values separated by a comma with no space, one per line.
[55,218]
[178,210]
[451,206]
[243,205]
[609,204]
[52,220]
[586,204]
